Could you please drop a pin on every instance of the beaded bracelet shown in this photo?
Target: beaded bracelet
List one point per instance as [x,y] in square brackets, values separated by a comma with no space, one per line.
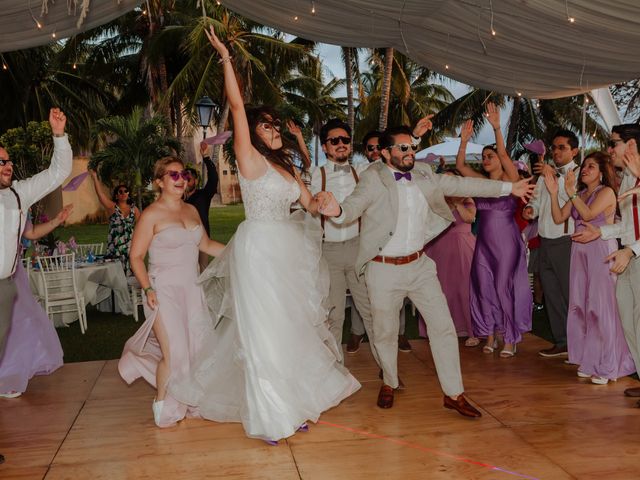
[226,59]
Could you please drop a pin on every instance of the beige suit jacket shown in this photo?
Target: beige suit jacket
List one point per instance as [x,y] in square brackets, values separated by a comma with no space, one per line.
[375,199]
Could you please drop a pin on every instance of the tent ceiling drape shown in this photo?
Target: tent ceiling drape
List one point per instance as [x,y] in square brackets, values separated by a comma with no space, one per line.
[536,51]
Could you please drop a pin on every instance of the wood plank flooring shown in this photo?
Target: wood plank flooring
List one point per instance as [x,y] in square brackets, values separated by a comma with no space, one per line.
[540,422]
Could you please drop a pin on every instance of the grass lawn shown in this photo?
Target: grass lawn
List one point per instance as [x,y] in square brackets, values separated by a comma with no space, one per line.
[108,332]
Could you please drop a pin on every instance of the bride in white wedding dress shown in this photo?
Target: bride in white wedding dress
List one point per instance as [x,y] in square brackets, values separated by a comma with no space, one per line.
[269,360]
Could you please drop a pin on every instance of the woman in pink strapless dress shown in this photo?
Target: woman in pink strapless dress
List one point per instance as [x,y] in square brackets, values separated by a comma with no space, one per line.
[163,349]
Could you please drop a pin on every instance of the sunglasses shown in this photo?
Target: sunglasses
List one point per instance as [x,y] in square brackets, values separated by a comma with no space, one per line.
[175,176]
[613,143]
[404,147]
[122,191]
[336,140]
[372,148]
[275,124]
[4,162]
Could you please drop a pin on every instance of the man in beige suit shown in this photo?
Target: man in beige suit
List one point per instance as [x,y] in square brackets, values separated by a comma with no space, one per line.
[402,206]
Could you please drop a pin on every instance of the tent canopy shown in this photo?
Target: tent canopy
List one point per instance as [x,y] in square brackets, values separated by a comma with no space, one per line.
[449,149]
[536,50]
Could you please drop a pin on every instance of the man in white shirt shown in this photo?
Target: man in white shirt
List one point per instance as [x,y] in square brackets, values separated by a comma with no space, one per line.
[340,242]
[623,143]
[555,241]
[403,207]
[15,200]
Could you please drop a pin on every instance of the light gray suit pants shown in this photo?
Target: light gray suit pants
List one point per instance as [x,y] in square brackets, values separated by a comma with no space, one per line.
[628,295]
[388,286]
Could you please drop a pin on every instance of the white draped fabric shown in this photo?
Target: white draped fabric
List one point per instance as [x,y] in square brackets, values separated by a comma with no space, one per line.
[536,51]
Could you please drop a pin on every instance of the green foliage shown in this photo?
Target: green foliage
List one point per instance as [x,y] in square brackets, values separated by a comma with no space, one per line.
[133,144]
[30,148]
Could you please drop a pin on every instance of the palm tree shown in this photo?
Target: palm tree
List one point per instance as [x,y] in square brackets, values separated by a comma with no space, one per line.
[386,88]
[133,144]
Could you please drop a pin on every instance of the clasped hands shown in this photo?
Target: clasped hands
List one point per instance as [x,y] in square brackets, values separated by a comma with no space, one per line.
[327,204]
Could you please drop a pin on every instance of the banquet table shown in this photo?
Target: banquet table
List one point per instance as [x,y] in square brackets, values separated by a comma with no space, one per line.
[96,281]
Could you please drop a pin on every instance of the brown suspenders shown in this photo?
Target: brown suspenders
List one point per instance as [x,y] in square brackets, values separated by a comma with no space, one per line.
[323,187]
[15,260]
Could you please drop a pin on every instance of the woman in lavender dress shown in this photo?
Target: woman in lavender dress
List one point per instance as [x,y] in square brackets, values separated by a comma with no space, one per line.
[452,251]
[500,299]
[595,338]
[33,347]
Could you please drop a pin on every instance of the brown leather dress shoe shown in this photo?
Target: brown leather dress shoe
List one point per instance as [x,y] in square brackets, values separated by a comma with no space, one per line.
[632,392]
[461,406]
[385,397]
[354,343]
[400,382]
[403,344]
[554,351]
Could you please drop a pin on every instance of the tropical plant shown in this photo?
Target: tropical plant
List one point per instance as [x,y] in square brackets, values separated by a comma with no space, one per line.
[132,145]
[30,148]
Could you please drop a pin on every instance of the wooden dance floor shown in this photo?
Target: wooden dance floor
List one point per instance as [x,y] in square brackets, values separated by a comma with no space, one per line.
[539,421]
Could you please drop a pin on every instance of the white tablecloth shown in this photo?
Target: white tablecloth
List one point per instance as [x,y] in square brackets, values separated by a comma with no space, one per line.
[95,281]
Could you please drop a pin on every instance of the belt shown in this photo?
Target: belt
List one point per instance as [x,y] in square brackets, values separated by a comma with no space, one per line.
[399,260]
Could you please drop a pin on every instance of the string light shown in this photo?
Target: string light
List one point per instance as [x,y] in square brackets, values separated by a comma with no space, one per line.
[313,7]
[519,94]
[218,2]
[53,35]
[295,18]
[493,32]
[4,66]
[74,66]
[446,67]
[569,17]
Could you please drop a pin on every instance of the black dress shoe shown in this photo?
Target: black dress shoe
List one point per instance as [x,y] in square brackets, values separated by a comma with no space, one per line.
[554,351]
[1,458]
[403,344]
[632,392]
[400,382]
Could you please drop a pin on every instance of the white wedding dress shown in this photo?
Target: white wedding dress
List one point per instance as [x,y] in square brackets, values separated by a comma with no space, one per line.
[269,360]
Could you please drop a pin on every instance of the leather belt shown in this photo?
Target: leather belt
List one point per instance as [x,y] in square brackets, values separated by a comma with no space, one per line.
[399,260]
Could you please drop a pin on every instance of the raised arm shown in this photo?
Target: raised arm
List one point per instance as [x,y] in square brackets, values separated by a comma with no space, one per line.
[510,170]
[33,189]
[104,199]
[461,164]
[558,214]
[211,187]
[42,229]
[302,145]
[248,159]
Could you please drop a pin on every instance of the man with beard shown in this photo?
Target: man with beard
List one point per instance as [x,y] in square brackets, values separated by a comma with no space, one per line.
[403,207]
[555,241]
[201,197]
[15,200]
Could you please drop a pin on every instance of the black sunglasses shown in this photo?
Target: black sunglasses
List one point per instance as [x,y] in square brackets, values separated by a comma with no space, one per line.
[336,140]
[123,190]
[404,147]
[4,162]
[371,148]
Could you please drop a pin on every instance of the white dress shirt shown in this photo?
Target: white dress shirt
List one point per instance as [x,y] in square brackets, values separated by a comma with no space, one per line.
[410,232]
[541,204]
[341,183]
[625,229]
[30,191]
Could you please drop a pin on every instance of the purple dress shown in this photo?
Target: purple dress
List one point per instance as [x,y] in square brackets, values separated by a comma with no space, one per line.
[595,339]
[500,299]
[452,251]
[32,347]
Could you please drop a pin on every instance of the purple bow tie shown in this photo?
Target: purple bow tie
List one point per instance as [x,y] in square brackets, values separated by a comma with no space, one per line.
[406,175]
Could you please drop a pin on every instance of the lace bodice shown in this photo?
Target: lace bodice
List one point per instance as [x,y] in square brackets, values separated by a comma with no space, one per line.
[268,197]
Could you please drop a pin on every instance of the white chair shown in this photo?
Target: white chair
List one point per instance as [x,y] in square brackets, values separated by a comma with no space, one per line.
[83,249]
[26,263]
[136,296]
[61,295]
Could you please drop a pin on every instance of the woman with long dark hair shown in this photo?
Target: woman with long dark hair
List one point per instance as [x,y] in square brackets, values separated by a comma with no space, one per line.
[595,340]
[500,298]
[269,360]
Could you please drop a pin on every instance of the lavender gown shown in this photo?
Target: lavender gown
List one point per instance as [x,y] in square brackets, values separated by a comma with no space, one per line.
[452,251]
[595,339]
[32,347]
[500,299]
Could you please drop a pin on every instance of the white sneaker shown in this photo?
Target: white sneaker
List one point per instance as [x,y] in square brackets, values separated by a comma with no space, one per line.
[10,395]
[583,375]
[599,380]
[157,411]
